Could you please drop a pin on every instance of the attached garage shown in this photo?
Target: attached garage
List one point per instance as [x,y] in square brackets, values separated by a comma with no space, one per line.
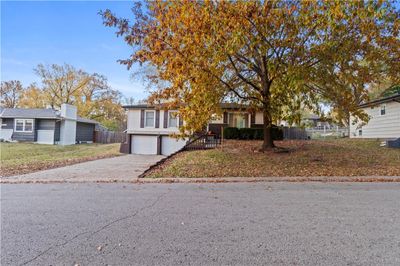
[170,145]
[144,144]
[155,144]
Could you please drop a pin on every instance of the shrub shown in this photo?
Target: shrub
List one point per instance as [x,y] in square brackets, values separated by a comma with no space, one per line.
[277,133]
[251,133]
[246,133]
[231,133]
[258,133]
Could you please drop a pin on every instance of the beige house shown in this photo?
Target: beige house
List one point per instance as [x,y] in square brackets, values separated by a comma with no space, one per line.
[384,120]
[149,128]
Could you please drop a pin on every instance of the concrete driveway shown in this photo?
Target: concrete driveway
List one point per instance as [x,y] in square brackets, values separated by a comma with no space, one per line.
[201,224]
[124,168]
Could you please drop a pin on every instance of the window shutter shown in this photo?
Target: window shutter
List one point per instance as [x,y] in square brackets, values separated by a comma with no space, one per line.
[142,118]
[180,121]
[253,118]
[165,118]
[225,118]
[157,118]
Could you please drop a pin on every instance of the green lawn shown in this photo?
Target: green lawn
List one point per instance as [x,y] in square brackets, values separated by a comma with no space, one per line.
[18,158]
[340,157]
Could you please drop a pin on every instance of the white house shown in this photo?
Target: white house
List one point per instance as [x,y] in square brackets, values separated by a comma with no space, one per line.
[384,120]
[150,128]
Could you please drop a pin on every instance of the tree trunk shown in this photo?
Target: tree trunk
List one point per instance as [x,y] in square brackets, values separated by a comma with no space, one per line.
[268,141]
[267,126]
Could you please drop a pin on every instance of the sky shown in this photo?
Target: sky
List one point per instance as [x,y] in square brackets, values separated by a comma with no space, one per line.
[58,32]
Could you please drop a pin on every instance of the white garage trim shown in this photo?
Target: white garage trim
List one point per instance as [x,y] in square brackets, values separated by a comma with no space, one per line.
[171,145]
[141,144]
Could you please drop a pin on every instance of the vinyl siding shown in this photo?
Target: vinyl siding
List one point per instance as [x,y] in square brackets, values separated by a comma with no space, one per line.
[379,126]
[24,136]
[133,124]
[84,131]
[7,123]
[45,124]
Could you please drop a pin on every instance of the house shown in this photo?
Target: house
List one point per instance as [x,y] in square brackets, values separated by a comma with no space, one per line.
[384,122]
[46,126]
[149,128]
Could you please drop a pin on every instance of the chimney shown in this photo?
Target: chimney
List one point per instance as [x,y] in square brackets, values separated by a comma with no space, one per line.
[68,124]
[68,111]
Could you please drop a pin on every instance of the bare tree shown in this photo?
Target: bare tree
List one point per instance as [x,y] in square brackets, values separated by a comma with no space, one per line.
[10,93]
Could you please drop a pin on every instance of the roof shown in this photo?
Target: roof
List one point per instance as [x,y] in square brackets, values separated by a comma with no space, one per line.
[139,106]
[38,113]
[312,117]
[86,120]
[149,106]
[28,113]
[395,97]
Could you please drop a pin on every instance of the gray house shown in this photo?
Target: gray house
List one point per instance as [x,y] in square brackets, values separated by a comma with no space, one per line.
[46,126]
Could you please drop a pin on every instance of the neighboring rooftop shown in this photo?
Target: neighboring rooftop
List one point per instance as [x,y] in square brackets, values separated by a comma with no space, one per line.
[394,97]
[38,113]
[28,113]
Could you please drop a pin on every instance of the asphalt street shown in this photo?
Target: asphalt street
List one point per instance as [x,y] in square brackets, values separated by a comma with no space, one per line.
[201,224]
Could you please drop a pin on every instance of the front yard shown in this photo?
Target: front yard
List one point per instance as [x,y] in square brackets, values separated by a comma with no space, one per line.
[341,157]
[20,158]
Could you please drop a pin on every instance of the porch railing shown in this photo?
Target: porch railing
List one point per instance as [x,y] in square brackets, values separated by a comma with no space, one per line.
[203,142]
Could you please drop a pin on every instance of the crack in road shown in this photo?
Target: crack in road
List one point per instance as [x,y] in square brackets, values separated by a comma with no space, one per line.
[98,230]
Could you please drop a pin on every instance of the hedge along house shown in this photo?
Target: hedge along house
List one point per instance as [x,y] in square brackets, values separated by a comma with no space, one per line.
[46,126]
[384,122]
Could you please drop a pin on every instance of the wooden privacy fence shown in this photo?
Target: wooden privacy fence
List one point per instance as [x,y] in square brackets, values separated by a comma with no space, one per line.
[294,133]
[109,137]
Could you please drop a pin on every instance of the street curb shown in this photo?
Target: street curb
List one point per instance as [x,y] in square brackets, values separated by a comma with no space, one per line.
[323,179]
[188,180]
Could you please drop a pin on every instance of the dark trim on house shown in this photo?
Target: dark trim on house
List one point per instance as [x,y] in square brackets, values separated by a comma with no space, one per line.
[159,145]
[142,118]
[130,144]
[157,119]
[165,118]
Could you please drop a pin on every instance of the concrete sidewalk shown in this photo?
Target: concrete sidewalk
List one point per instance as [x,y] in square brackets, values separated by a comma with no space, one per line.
[125,168]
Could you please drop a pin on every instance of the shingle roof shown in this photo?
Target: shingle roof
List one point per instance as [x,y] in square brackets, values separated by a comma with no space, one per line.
[222,105]
[395,97]
[86,120]
[37,113]
[28,113]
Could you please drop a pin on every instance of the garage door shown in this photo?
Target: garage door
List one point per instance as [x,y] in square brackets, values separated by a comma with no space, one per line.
[170,145]
[144,144]
[45,136]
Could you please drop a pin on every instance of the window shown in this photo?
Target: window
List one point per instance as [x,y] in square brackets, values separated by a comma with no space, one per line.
[383,109]
[172,119]
[23,125]
[149,119]
[28,125]
[238,120]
